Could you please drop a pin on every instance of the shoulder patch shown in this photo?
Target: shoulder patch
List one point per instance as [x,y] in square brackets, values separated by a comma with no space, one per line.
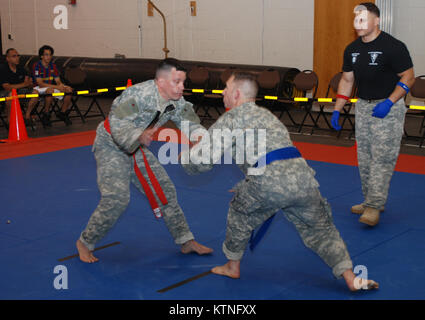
[126,108]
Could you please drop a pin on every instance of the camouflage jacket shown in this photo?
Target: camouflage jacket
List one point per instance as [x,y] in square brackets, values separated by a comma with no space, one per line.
[133,111]
[248,132]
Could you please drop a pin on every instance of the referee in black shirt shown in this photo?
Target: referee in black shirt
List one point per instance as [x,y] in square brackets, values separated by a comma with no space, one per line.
[382,70]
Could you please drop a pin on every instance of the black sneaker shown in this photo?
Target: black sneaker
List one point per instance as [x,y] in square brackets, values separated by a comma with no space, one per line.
[61,115]
[64,117]
[45,119]
[68,121]
[30,123]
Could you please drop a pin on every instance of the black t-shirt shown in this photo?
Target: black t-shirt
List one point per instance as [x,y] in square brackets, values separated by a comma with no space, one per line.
[376,65]
[8,76]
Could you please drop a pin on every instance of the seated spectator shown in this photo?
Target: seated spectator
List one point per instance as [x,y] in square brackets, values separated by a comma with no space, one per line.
[47,81]
[14,76]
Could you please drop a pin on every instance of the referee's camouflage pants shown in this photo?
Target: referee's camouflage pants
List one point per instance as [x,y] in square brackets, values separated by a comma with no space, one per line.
[378,146]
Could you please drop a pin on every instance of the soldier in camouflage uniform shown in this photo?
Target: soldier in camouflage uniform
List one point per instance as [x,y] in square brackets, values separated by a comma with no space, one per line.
[124,133]
[381,67]
[285,184]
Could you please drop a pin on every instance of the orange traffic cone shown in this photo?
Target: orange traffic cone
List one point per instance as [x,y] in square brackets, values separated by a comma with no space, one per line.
[17,130]
[129,83]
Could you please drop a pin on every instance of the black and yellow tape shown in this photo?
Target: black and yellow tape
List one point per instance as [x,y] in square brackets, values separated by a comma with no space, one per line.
[198,91]
[295,99]
[58,94]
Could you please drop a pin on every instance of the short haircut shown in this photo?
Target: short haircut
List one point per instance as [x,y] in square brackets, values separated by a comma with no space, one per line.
[371,7]
[44,48]
[246,82]
[167,65]
[10,49]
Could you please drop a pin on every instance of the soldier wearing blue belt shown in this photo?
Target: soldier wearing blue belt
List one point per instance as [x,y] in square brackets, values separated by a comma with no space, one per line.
[285,182]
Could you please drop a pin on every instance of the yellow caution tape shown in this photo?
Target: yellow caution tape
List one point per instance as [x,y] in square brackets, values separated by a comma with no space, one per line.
[417,107]
[297,99]
[32,95]
[324,100]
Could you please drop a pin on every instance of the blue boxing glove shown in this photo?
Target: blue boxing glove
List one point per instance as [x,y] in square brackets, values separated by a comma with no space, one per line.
[335,120]
[382,109]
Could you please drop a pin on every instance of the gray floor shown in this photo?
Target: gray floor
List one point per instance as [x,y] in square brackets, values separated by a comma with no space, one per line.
[410,144]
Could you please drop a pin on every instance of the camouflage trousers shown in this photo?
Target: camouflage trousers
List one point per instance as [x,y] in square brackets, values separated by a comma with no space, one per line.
[114,173]
[378,146]
[296,192]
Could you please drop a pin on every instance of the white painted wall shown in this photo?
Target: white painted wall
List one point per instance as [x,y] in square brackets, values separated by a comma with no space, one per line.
[269,32]
[264,32]
[409,27]
[97,28]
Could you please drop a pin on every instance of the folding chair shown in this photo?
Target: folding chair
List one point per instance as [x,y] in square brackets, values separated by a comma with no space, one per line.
[333,85]
[332,90]
[305,83]
[2,119]
[283,105]
[418,92]
[39,107]
[23,102]
[76,77]
[198,78]
[268,85]
[215,100]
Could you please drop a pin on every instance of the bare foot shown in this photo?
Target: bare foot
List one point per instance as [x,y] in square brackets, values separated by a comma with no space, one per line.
[193,246]
[230,269]
[355,283]
[85,254]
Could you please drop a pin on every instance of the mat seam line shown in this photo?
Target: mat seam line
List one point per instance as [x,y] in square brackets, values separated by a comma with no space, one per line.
[382,242]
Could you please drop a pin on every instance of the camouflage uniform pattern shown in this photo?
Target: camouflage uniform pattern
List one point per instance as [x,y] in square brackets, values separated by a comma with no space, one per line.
[378,147]
[288,185]
[130,115]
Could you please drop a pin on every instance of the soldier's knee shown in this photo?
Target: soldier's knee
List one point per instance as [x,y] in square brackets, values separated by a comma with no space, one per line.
[116,203]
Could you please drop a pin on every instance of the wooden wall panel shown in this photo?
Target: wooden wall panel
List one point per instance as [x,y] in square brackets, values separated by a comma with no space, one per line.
[333,31]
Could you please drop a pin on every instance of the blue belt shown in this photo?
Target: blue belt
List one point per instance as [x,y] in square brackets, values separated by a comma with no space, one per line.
[279,154]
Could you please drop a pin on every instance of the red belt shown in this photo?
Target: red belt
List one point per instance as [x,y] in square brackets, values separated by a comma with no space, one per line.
[157,187]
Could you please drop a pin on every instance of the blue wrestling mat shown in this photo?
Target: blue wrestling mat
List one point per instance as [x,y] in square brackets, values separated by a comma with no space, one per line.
[47,200]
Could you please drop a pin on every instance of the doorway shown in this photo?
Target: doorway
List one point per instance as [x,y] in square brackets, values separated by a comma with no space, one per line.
[333,31]
[1,37]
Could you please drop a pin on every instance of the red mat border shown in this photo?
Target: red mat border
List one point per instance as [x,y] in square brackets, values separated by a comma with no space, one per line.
[310,151]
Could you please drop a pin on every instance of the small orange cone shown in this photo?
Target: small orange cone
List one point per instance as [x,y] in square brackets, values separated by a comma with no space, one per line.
[129,83]
[17,130]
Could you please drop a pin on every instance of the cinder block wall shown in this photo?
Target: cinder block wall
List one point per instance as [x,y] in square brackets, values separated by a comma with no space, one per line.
[265,32]
[259,32]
